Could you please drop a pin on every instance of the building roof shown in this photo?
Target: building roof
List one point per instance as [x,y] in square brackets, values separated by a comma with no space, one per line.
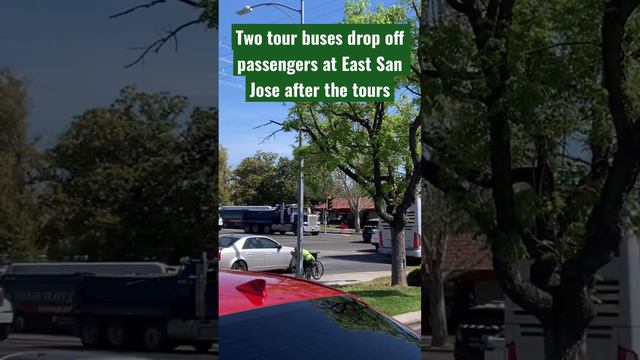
[343,204]
[466,254]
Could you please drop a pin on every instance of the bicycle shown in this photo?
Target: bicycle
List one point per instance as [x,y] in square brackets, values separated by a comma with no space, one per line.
[315,270]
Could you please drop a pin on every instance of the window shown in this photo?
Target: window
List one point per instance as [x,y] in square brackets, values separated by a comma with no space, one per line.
[268,243]
[251,243]
[327,328]
[226,241]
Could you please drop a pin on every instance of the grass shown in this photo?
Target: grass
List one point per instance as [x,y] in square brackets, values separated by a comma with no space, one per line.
[379,293]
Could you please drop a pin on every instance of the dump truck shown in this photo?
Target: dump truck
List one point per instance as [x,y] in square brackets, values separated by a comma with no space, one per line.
[152,311]
[282,219]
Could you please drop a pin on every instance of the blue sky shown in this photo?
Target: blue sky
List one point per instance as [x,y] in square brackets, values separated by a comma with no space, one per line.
[238,118]
[72,56]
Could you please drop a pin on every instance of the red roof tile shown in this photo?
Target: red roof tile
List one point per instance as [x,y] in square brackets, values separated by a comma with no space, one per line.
[343,204]
[464,253]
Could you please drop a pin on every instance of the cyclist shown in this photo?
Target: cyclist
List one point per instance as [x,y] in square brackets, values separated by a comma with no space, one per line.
[307,258]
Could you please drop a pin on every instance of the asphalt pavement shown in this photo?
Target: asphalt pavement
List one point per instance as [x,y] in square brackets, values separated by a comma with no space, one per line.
[339,253]
[48,343]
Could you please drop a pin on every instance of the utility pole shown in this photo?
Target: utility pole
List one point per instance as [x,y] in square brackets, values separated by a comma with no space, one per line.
[299,240]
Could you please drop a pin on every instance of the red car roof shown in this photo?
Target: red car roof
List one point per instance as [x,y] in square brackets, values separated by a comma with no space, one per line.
[242,291]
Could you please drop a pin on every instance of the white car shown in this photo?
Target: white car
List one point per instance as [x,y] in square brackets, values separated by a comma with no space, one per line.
[253,252]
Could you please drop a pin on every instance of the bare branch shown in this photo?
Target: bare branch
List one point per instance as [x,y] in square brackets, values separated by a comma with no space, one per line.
[158,44]
[143,6]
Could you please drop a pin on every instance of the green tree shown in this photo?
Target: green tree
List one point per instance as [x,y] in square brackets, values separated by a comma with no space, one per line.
[125,183]
[224,176]
[264,179]
[510,92]
[374,144]
[18,160]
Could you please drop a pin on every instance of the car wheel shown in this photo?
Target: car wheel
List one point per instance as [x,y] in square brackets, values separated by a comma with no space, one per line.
[266,229]
[92,333]
[292,266]
[240,265]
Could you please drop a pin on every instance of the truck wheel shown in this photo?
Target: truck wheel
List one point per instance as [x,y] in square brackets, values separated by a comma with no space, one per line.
[203,346]
[266,229]
[315,233]
[155,338]
[92,333]
[117,334]
[255,228]
[282,232]
[4,332]
[247,229]
[19,323]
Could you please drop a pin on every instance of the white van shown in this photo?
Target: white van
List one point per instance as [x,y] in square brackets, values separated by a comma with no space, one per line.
[613,334]
[412,233]
[6,316]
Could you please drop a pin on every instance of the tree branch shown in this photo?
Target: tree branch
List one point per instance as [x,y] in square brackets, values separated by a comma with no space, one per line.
[158,44]
[561,44]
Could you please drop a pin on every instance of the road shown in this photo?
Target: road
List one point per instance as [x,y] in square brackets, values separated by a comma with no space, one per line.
[437,355]
[339,253]
[45,343]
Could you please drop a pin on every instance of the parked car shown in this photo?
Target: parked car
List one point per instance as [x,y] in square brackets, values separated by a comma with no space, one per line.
[478,331]
[370,231]
[270,316]
[253,252]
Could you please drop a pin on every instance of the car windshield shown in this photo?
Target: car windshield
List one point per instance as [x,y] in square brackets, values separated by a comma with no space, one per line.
[312,329]
[226,241]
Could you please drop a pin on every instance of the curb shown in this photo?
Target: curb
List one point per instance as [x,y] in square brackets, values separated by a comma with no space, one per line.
[438,349]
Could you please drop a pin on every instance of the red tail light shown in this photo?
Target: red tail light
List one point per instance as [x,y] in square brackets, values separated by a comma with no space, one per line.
[416,240]
[511,351]
[381,240]
[624,354]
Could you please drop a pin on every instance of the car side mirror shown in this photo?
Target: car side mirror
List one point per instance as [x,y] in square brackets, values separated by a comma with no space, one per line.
[279,246]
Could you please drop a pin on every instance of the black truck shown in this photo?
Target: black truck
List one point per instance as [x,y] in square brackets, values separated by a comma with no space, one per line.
[155,312]
[281,219]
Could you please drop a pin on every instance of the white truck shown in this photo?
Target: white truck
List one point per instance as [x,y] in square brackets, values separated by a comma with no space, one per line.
[412,233]
[6,316]
[613,334]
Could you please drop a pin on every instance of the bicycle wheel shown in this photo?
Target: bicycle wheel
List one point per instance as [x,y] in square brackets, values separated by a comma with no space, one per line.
[308,273]
[318,270]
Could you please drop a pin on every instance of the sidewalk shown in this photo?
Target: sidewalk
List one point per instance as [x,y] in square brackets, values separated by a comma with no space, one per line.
[351,278]
[411,319]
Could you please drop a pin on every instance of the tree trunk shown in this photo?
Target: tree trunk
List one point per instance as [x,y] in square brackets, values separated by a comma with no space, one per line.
[559,344]
[437,309]
[398,254]
[356,219]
